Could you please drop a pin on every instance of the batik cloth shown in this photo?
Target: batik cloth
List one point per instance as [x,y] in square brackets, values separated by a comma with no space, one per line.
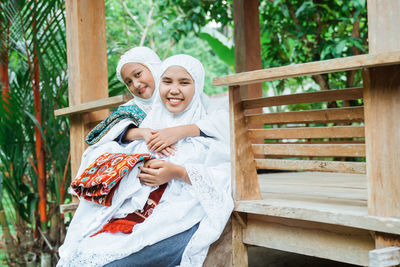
[132,112]
[125,225]
[98,181]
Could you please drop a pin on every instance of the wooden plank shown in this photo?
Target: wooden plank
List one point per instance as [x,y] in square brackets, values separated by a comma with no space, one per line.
[87,67]
[383,26]
[64,208]
[318,150]
[382,130]
[311,68]
[247,42]
[308,212]
[351,114]
[308,132]
[382,86]
[239,249]
[301,98]
[106,103]
[334,243]
[384,257]
[311,165]
[244,175]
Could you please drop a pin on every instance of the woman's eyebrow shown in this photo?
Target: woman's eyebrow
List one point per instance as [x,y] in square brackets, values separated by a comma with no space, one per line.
[185,79]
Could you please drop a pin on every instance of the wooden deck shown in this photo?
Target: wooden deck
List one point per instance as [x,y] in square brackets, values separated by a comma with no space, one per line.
[303,212]
[333,198]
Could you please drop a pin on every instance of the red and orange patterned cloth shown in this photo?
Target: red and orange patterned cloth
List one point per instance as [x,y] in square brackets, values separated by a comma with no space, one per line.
[99,181]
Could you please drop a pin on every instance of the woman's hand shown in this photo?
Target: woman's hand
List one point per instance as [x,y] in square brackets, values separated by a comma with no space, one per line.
[157,172]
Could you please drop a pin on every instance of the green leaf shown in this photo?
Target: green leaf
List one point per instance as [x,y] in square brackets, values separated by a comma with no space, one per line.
[340,47]
[225,53]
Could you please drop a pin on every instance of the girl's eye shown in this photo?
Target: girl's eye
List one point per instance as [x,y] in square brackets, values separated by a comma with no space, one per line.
[128,83]
[137,75]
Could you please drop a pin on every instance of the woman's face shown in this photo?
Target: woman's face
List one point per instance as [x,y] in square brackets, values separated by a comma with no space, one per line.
[139,79]
[176,89]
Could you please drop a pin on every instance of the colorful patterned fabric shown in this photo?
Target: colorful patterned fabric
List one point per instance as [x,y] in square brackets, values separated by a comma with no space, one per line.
[98,182]
[133,112]
[125,225]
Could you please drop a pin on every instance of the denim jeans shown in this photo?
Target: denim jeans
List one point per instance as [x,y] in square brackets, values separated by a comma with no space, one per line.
[166,253]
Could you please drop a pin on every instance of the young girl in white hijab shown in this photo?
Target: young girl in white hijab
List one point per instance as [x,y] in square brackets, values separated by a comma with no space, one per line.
[197,202]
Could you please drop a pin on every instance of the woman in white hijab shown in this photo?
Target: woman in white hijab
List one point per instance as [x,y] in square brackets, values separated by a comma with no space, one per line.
[200,197]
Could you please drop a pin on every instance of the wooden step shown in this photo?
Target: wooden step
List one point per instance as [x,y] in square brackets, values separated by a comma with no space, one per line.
[311,68]
[106,103]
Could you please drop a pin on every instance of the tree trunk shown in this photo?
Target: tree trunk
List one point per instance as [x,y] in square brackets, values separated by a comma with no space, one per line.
[40,154]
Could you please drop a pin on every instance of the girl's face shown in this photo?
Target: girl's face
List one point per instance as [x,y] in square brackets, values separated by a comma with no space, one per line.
[176,89]
[139,79]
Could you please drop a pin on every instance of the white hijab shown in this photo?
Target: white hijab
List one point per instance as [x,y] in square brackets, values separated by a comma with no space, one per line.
[147,57]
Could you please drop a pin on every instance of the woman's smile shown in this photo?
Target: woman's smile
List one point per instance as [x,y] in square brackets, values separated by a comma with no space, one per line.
[173,101]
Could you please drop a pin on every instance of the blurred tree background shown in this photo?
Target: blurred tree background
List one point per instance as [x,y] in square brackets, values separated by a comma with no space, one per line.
[34,155]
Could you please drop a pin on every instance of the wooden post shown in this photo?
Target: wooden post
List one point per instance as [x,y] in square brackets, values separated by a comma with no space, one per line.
[382,117]
[247,57]
[87,67]
[247,42]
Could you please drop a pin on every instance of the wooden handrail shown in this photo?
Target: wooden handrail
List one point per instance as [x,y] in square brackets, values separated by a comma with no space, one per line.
[311,68]
[105,103]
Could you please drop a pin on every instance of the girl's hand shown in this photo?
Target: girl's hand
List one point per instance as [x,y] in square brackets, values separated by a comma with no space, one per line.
[168,151]
[163,138]
[157,172]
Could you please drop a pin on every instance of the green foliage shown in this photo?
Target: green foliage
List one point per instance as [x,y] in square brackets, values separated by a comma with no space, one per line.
[165,34]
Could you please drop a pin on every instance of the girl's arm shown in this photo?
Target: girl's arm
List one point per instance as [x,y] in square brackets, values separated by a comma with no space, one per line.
[137,134]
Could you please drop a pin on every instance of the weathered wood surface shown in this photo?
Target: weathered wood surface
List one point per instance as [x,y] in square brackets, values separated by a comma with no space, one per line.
[309,132]
[301,98]
[382,98]
[106,103]
[384,257]
[311,165]
[320,150]
[312,68]
[244,174]
[64,208]
[325,241]
[351,114]
[87,67]
[332,198]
